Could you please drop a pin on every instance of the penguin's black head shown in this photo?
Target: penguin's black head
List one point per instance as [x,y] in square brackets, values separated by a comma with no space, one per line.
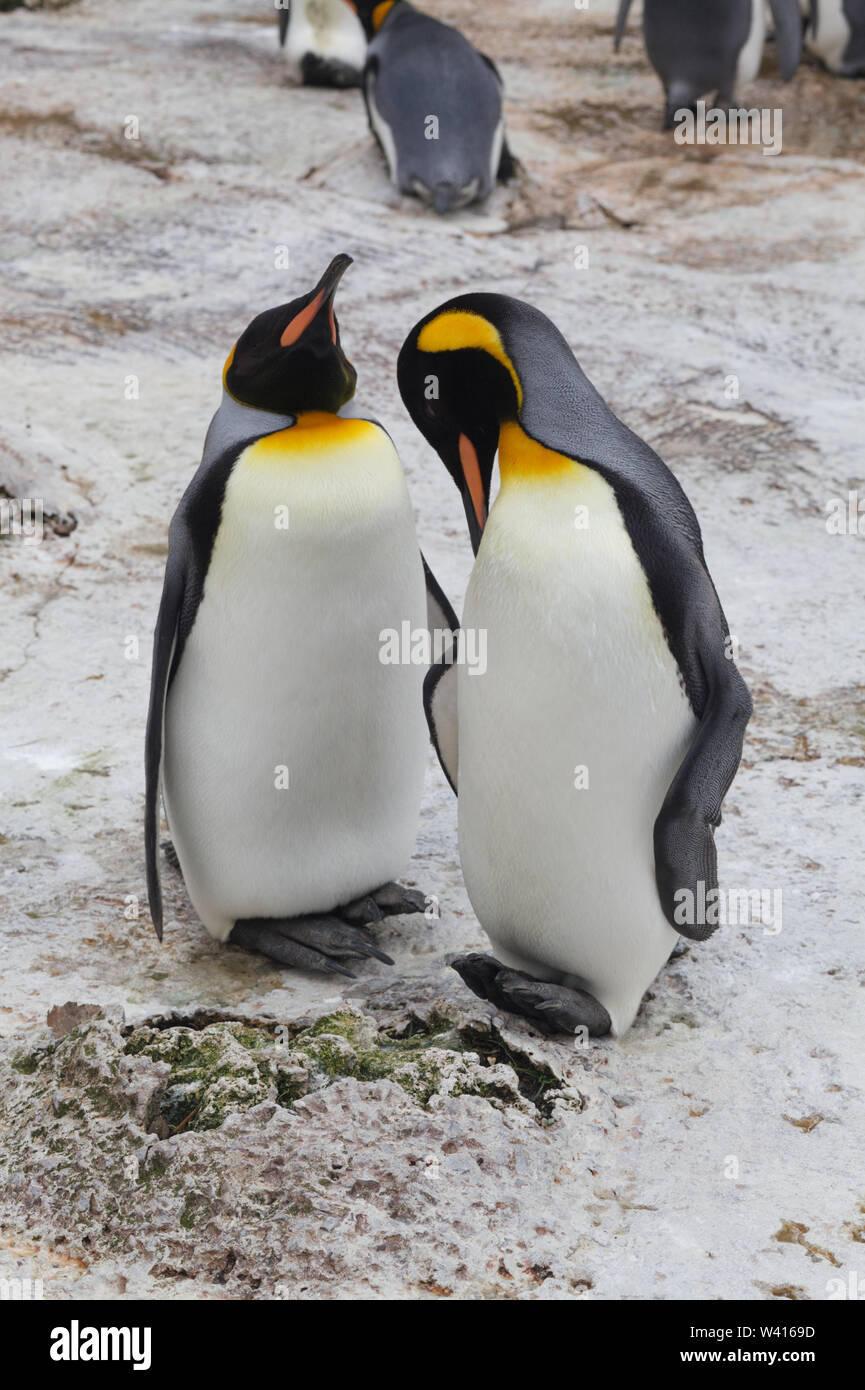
[289,359]
[371,13]
[459,384]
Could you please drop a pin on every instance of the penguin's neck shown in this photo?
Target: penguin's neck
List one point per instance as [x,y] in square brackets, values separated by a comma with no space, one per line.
[523,460]
[234,422]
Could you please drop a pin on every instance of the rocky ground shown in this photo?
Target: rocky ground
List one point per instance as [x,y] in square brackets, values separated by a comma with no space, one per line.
[211,1126]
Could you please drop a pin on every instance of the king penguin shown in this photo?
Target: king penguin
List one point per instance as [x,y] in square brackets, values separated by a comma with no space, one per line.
[324,42]
[291,759]
[591,757]
[713,46]
[836,34]
[434,104]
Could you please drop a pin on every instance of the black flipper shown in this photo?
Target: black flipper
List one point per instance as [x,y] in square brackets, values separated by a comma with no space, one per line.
[284,15]
[190,545]
[685,854]
[370,73]
[787,18]
[507,165]
[164,641]
[440,614]
[621,21]
[440,701]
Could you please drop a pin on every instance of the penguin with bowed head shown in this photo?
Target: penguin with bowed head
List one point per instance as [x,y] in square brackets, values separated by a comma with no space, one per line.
[713,46]
[434,104]
[591,757]
[290,757]
[323,41]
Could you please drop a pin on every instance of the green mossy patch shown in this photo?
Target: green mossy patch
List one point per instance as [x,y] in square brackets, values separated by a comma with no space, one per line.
[25,1063]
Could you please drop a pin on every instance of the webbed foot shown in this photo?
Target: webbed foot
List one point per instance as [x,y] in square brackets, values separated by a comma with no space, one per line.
[307,943]
[551,1008]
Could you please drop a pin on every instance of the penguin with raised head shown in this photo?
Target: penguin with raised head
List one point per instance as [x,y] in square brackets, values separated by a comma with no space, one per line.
[434,104]
[592,756]
[836,34]
[714,46]
[290,756]
[324,42]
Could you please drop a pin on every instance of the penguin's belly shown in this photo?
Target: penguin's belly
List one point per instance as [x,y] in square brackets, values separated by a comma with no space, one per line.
[294,759]
[568,743]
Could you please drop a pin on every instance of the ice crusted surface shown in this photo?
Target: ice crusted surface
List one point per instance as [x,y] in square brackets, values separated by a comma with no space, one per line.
[226,1129]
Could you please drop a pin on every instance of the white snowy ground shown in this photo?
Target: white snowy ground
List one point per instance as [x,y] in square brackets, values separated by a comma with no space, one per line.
[716,1151]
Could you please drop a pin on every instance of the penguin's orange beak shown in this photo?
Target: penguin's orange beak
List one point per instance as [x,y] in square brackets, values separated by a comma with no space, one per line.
[474,482]
[300,323]
[322,296]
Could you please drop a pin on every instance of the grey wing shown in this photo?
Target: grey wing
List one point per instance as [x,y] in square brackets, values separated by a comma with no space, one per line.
[684,830]
[787,18]
[621,21]
[164,642]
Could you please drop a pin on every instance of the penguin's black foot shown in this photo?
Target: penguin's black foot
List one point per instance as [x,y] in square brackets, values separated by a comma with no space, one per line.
[308,943]
[551,1008]
[390,900]
[167,847]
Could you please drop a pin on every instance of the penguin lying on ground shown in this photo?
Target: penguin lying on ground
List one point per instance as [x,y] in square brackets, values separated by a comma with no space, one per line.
[592,756]
[291,759]
[324,42]
[434,104]
[836,34]
[712,46]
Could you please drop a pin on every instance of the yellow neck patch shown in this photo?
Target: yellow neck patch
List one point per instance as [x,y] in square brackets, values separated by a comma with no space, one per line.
[459,328]
[380,13]
[315,430]
[522,459]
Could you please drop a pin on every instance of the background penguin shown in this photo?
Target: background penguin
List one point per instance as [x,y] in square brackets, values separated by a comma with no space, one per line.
[713,46]
[291,549]
[324,42]
[419,72]
[606,653]
[836,34]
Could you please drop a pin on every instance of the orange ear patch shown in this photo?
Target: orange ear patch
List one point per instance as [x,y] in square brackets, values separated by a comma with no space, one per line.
[381,12]
[300,323]
[472,475]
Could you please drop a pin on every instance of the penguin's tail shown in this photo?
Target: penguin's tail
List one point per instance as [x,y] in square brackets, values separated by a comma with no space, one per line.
[680,97]
[445,197]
